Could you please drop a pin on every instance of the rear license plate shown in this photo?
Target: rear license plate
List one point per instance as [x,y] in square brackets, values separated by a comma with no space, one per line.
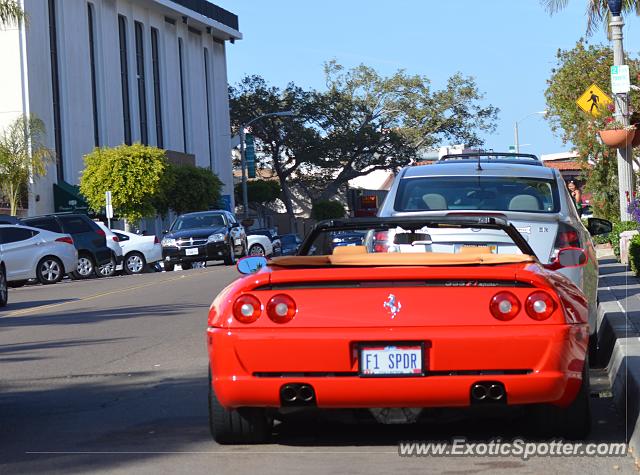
[479,247]
[191,252]
[238,242]
[391,360]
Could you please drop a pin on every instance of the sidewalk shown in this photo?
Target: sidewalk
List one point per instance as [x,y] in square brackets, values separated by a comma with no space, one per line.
[619,340]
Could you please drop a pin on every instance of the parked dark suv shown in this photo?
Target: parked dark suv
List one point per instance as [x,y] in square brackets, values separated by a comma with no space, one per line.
[89,239]
[203,236]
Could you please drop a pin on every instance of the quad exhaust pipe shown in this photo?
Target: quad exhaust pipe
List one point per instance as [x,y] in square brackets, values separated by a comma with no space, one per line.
[297,394]
[488,392]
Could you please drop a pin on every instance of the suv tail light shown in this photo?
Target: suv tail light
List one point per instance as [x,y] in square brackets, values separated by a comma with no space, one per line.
[567,237]
[540,305]
[247,309]
[66,239]
[115,238]
[281,308]
[381,241]
[156,240]
[101,232]
[504,306]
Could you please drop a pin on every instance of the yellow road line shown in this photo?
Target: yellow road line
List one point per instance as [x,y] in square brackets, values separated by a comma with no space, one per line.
[27,311]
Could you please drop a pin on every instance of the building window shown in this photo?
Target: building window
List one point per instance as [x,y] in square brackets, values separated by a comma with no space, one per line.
[55,86]
[142,89]
[182,94]
[94,87]
[208,103]
[124,78]
[155,57]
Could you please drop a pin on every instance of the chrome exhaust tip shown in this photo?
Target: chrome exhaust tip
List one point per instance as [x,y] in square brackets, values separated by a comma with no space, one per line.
[288,393]
[305,393]
[496,392]
[479,392]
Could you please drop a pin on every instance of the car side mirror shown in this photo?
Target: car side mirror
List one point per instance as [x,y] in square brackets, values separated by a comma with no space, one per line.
[251,264]
[597,226]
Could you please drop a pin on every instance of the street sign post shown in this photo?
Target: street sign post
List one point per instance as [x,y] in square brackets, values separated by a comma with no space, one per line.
[108,208]
[593,100]
[620,83]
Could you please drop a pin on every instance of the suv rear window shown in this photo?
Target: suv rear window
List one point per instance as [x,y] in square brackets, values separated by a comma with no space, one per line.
[75,225]
[48,224]
[530,195]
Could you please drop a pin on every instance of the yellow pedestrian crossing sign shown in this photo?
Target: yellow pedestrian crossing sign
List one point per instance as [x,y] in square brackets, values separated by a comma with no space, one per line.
[593,100]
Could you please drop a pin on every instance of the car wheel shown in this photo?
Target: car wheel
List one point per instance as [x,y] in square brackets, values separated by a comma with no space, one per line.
[4,291]
[186,265]
[134,263]
[49,270]
[107,270]
[245,425]
[168,267]
[572,422]
[230,257]
[85,267]
[256,250]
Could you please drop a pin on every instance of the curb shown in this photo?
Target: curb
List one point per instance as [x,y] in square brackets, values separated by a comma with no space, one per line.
[619,348]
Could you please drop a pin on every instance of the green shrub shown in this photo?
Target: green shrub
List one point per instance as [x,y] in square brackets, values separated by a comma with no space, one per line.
[614,235]
[634,255]
[327,210]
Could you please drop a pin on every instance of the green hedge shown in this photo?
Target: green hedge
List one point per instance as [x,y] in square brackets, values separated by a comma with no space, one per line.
[327,210]
[634,255]
[614,236]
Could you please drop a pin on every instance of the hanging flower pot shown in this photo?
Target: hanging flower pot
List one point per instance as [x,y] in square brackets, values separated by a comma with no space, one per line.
[617,137]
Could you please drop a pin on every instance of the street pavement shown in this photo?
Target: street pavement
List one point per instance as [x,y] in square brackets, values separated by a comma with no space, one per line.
[110,376]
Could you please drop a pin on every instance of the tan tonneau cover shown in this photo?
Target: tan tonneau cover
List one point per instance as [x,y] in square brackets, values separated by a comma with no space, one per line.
[400,259]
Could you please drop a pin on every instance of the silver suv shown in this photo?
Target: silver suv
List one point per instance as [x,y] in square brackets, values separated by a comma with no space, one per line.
[532,197]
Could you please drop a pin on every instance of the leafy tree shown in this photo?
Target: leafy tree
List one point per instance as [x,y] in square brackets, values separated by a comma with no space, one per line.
[371,122]
[22,156]
[597,10]
[185,188]
[288,142]
[11,13]
[576,70]
[132,173]
[327,209]
[259,192]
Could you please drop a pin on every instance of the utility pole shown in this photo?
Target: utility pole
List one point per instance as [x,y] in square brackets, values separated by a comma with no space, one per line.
[625,166]
[243,164]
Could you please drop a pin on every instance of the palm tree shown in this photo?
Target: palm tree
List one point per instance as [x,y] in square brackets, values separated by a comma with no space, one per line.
[597,10]
[10,13]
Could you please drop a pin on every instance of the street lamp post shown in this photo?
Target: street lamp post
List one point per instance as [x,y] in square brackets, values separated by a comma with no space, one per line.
[625,167]
[243,159]
[515,128]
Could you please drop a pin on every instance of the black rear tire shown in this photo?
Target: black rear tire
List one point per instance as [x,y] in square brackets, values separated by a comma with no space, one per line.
[245,425]
[230,256]
[186,265]
[86,267]
[572,422]
[4,290]
[168,267]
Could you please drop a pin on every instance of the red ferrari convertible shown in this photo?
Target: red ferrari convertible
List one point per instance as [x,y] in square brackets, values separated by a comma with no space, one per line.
[404,326]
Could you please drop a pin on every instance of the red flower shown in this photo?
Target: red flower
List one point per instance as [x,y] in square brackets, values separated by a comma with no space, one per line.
[608,120]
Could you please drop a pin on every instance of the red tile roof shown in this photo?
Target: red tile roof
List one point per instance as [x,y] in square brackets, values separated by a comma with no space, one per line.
[567,165]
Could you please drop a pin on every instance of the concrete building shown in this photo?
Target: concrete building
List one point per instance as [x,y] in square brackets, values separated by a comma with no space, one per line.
[107,72]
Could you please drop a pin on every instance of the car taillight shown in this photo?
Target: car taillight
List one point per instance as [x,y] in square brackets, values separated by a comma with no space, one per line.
[247,309]
[504,306]
[281,308]
[567,237]
[101,232]
[539,305]
[381,241]
[156,240]
[66,239]
[115,238]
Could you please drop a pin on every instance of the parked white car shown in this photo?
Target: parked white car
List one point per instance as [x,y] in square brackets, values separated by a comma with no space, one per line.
[259,245]
[138,251]
[33,253]
[113,243]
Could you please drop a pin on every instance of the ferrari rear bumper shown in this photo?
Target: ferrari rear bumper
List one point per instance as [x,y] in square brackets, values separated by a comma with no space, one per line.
[536,364]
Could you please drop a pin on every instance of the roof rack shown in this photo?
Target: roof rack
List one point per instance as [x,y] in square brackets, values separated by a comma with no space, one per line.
[501,157]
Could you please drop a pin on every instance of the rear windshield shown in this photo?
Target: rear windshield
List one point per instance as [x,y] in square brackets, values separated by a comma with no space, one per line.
[531,195]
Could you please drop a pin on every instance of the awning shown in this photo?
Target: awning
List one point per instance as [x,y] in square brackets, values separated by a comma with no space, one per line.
[67,197]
